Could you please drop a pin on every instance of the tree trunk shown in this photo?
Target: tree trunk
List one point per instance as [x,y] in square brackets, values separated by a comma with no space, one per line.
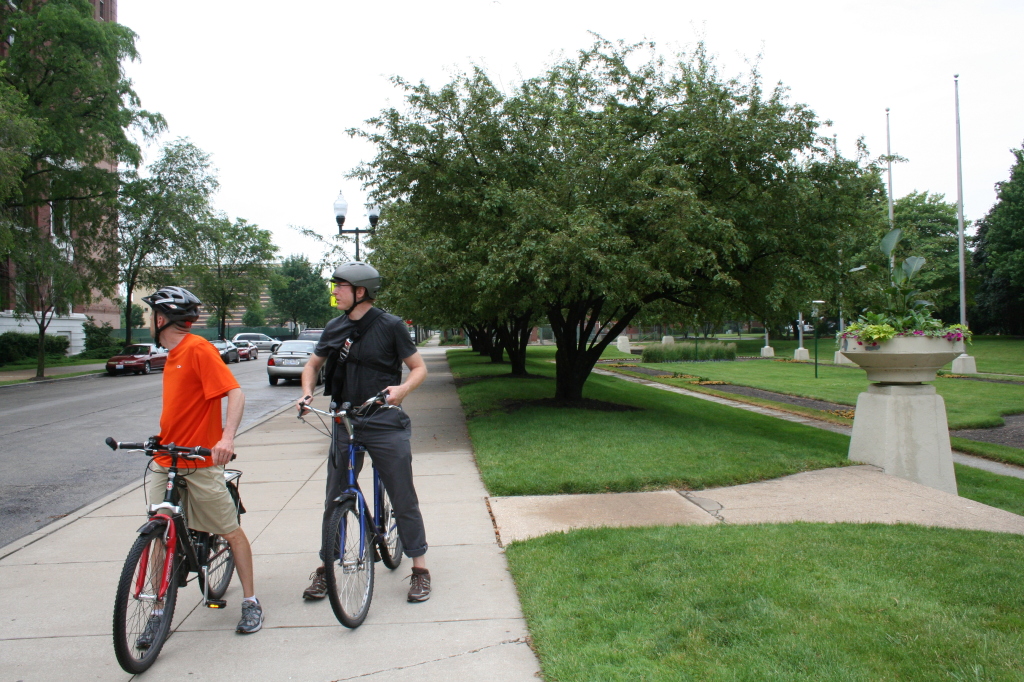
[474,338]
[41,349]
[128,315]
[514,335]
[573,325]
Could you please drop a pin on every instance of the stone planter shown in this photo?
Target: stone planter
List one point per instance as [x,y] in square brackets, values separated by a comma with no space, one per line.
[903,360]
[900,423]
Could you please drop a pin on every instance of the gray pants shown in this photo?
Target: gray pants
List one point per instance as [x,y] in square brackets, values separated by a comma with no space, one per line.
[385,434]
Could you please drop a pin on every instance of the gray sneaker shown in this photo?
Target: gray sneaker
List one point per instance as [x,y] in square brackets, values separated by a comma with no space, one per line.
[252,618]
[145,640]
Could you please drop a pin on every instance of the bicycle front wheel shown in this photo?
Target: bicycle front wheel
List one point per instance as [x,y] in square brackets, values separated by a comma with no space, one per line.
[389,543]
[141,621]
[348,564]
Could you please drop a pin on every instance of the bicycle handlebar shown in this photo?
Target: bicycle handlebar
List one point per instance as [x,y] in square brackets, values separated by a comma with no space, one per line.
[153,448]
[346,408]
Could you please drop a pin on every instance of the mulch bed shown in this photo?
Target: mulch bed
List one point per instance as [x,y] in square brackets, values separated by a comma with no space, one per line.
[1011,434]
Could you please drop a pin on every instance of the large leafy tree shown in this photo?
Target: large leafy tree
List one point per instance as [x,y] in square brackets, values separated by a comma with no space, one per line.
[929,225]
[226,264]
[66,69]
[158,211]
[999,255]
[604,185]
[299,293]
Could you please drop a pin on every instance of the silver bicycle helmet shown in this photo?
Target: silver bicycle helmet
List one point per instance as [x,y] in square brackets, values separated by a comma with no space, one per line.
[358,275]
[175,304]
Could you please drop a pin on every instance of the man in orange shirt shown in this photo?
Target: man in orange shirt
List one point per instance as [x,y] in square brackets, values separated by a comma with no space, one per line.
[195,379]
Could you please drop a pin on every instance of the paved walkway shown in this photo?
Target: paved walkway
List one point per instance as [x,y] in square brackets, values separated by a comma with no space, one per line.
[57,585]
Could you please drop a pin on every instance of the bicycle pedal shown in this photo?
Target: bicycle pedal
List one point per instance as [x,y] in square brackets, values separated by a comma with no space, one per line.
[216,604]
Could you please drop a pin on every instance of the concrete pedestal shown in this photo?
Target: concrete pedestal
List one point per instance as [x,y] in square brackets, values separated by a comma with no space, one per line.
[668,339]
[622,343]
[964,364]
[902,428]
[767,352]
[840,359]
[801,354]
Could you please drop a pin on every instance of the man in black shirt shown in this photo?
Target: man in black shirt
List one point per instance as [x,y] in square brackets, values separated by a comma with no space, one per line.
[364,351]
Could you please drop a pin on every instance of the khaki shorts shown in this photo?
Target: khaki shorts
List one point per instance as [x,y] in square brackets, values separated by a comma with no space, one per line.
[206,501]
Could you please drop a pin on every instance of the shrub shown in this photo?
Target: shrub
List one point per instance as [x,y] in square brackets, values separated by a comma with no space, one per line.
[15,346]
[688,352]
[100,353]
[97,336]
[454,340]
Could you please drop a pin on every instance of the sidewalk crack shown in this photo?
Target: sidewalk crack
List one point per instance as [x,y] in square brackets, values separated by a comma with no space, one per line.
[518,640]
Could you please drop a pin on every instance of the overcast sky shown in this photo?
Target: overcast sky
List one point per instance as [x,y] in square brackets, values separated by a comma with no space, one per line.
[268,88]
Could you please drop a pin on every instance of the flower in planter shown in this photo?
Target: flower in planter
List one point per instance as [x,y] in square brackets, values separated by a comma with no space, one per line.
[902,313]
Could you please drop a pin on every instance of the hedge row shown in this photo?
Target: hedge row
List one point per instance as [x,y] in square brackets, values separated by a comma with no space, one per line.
[688,352]
[15,346]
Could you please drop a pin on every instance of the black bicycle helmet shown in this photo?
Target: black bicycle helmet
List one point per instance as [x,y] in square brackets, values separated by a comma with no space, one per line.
[174,303]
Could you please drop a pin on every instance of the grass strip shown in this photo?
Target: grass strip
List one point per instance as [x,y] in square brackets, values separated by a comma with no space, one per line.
[654,440]
[817,602]
[51,376]
[993,451]
[995,490]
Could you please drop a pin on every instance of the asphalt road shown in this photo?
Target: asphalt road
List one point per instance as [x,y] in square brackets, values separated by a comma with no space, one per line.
[53,459]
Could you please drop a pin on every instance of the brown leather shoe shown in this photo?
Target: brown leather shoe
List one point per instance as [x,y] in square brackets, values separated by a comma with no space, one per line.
[419,585]
[318,589]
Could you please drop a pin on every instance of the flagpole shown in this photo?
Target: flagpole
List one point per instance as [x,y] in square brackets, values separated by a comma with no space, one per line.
[965,364]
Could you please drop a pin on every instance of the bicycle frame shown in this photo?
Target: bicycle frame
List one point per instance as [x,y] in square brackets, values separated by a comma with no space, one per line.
[168,515]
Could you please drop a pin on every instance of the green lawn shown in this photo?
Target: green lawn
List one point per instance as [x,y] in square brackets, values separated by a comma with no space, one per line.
[1004,492]
[671,441]
[969,404]
[776,602]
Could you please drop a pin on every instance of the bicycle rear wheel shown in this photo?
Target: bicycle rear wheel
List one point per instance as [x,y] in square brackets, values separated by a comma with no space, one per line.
[348,565]
[139,630]
[389,543]
[219,568]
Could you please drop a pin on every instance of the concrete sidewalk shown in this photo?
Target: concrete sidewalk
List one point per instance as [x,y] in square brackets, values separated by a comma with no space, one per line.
[57,585]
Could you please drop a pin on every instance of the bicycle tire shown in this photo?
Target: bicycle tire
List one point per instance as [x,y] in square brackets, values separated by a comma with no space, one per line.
[131,615]
[220,562]
[389,543]
[220,567]
[348,565]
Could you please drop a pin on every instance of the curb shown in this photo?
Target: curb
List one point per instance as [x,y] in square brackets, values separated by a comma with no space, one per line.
[49,529]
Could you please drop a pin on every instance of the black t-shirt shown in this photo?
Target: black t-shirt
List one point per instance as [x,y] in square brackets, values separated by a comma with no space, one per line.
[375,359]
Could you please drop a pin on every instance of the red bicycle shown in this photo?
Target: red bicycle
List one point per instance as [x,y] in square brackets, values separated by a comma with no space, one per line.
[160,560]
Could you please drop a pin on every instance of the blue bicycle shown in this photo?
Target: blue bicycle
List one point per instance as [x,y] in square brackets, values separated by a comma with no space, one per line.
[355,539]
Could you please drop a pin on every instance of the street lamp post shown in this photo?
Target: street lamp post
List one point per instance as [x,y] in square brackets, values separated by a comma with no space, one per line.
[814,316]
[341,211]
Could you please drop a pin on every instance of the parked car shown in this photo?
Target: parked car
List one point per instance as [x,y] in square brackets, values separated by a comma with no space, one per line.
[289,360]
[247,350]
[138,358]
[310,334]
[261,341]
[227,350]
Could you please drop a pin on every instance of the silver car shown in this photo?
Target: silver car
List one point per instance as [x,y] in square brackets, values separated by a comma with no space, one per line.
[288,361]
[261,341]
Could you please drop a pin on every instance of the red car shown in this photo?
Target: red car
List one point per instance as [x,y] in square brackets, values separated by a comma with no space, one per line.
[139,358]
[247,350]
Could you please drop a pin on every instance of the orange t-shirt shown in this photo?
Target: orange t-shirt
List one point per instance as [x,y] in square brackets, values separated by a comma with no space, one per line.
[195,379]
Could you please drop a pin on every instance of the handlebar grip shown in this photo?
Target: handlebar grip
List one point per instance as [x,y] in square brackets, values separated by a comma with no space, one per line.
[114,445]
